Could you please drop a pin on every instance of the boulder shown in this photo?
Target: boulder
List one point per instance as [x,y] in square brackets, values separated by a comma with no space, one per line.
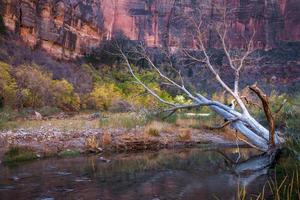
[37,116]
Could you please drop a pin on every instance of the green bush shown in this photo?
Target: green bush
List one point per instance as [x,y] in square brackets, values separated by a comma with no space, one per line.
[130,91]
[103,95]
[37,89]
[8,86]
[64,95]
[137,94]
[34,86]
[4,117]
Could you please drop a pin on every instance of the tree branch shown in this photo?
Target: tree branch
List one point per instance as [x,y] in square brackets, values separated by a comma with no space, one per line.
[224,124]
[268,113]
[141,83]
[281,106]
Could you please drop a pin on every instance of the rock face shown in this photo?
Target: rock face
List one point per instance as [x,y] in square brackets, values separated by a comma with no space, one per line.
[66,28]
[70,28]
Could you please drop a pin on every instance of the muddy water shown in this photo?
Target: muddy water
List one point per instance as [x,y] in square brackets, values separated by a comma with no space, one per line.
[167,174]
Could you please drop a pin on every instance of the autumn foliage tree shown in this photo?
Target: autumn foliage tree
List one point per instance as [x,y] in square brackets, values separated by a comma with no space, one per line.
[30,86]
[8,86]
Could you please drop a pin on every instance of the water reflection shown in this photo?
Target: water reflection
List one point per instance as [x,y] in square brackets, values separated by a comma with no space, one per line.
[167,174]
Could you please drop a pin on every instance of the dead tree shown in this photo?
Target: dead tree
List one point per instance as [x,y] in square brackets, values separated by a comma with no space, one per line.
[238,117]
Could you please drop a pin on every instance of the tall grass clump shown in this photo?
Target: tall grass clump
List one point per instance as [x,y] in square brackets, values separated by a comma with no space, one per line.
[125,120]
[284,188]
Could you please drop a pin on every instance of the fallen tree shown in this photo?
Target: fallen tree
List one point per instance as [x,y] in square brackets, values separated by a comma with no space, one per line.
[238,117]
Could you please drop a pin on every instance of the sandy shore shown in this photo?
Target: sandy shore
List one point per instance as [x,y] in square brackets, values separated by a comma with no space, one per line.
[52,141]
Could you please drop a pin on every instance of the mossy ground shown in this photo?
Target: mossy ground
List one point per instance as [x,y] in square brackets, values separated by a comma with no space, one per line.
[19,154]
[69,153]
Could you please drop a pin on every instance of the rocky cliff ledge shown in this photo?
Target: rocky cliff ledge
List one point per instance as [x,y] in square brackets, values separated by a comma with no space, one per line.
[70,28]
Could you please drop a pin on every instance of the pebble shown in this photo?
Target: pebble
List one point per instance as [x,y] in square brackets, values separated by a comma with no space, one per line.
[63,173]
[83,179]
[104,159]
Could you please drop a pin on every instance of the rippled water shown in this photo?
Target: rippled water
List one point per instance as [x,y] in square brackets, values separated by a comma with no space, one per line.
[167,174]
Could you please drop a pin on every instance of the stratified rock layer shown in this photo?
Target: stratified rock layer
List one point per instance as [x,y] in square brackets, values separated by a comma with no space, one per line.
[70,28]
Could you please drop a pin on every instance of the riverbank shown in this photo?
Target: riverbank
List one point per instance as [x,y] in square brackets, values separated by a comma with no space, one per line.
[69,136]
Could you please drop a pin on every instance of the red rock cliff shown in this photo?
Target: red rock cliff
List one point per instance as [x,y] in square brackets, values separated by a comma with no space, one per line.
[70,28]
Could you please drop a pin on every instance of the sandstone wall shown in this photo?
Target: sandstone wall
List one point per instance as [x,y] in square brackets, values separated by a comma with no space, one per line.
[70,28]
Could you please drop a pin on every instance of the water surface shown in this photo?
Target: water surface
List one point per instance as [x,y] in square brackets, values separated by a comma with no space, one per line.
[167,174]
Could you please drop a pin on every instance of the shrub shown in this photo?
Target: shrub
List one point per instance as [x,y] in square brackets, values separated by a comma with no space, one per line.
[120,106]
[37,89]
[92,144]
[103,95]
[153,132]
[64,95]
[134,93]
[137,95]
[35,86]
[4,117]
[180,99]
[155,128]
[8,86]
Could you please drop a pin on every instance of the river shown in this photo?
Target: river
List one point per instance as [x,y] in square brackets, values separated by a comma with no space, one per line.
[195,173]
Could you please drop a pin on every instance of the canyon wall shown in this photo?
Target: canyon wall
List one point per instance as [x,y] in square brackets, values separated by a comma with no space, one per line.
[71,28]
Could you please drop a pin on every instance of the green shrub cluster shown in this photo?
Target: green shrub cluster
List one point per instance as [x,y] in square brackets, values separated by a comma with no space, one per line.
[8,86]
[103,95]
[29,86]
[115,85]
[287,118]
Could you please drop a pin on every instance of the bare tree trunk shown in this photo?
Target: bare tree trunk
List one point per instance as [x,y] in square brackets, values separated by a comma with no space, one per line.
[240,119]
[268,113]
[242,126]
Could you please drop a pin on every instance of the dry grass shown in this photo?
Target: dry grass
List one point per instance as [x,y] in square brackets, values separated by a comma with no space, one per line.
[70,124]
[81,122]
[153,132]
[106,138]
[197,123]
[92,143]
[207,123]
[185,134]
[285,189]
[155,128]
[123,120]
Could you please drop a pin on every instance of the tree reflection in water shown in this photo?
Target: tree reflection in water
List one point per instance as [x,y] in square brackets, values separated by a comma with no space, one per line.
[167,174]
